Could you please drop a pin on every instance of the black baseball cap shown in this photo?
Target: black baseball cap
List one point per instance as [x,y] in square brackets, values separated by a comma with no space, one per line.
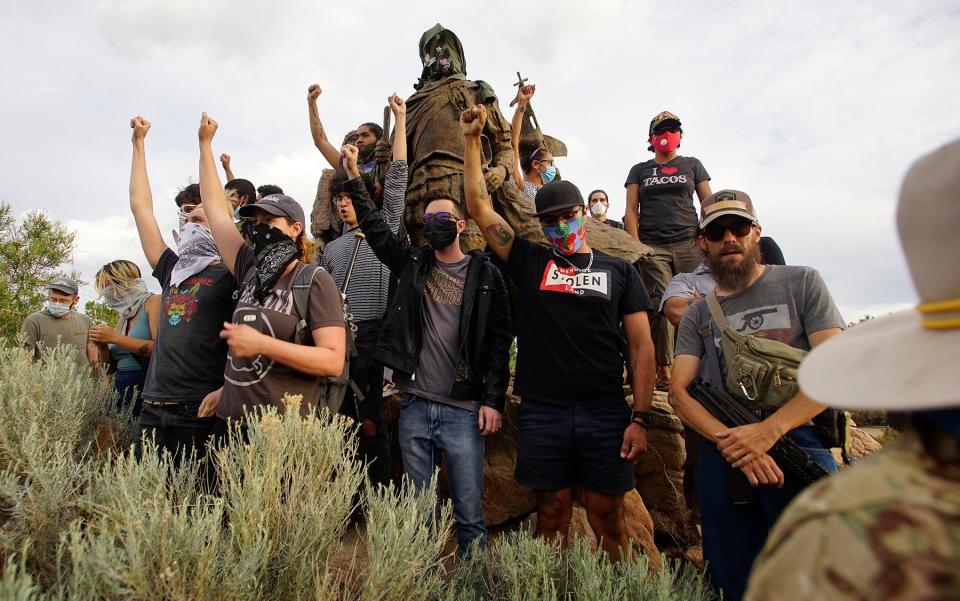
[280,205]
[557,195]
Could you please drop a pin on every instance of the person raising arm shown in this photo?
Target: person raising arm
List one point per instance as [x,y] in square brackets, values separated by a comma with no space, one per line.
[526,93]
[328,150]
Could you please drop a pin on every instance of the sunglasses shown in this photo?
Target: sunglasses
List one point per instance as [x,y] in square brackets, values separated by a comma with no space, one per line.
[442,215]
[551,220]
[716,231]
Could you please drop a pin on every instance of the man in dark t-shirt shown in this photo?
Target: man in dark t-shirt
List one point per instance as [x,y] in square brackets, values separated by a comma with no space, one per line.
[575,427]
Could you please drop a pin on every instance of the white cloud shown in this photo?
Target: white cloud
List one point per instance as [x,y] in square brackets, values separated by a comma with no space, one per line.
[815,109]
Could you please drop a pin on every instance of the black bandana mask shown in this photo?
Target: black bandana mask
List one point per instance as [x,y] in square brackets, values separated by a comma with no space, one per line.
[273,250]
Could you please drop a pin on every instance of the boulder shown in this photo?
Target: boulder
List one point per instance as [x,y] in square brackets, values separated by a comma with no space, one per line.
[659,474]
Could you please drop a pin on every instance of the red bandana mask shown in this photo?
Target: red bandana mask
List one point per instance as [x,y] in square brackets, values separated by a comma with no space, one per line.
[666,142]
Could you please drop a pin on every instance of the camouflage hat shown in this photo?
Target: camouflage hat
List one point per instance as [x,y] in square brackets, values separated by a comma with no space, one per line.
[663,120]
[906,361]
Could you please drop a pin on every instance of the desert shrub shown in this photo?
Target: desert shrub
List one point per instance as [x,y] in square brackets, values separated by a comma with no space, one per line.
[406,534]
[84,521]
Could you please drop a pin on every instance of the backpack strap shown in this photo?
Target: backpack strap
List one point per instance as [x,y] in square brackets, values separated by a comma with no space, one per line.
[713,303]
[300,290]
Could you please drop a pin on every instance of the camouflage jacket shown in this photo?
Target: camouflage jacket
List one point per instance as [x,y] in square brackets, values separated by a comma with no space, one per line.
[888,528]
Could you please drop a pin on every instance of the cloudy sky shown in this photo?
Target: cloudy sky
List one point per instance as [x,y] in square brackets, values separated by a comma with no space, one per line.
[814,108]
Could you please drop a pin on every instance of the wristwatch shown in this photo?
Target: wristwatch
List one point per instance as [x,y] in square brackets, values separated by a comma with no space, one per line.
[641,418]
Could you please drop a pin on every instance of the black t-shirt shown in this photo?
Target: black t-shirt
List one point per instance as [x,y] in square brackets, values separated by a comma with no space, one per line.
[569,342]
[667,213]
[188,357]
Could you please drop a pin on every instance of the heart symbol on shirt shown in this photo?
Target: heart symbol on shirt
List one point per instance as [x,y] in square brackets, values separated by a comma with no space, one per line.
[668,170]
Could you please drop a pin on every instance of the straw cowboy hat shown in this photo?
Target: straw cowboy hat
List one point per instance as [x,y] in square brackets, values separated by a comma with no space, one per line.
[909,360]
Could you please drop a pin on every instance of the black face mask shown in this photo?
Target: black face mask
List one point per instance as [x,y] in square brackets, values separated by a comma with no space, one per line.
[273,250]
[440,233]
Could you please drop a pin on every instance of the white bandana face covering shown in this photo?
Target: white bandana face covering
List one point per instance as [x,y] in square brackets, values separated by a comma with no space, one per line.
[196,250]
[127,303]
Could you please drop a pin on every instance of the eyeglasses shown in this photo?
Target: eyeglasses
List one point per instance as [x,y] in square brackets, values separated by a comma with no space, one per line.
[442,215]
[187,208]
[554,219]
[545,162]
[673,130]
[716,231]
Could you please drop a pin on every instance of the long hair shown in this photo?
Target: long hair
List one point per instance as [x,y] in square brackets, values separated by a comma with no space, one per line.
[119,274]
[308,250]
[529,154]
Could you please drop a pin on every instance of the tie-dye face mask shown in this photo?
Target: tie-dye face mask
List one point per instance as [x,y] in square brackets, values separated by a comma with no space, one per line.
[567,236]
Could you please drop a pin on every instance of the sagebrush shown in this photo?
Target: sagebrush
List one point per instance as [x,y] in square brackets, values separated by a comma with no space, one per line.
[84,517]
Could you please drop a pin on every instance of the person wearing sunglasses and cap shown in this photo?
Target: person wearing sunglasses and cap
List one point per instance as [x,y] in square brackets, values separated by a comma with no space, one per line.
[446,335]
[888,527]
[789,304]
[572,300]
[660,213]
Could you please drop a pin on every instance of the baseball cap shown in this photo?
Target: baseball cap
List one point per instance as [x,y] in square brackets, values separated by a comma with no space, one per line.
[65,285]
[664,119]
[280,205]
[726,202]
[557,195]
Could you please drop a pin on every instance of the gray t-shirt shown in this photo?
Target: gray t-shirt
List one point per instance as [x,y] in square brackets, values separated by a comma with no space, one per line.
[787,303]
[42,331]
[442,300]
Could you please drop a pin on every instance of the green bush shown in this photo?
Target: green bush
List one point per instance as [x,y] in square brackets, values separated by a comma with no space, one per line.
[83,517]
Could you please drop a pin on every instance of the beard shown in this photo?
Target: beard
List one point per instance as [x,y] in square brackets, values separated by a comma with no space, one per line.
[735,275]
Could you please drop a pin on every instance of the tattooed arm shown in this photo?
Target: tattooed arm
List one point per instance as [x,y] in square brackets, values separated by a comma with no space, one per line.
[497,232]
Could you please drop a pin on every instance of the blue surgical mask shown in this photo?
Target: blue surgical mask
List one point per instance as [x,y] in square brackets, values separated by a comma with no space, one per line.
[549,174]
[58,309]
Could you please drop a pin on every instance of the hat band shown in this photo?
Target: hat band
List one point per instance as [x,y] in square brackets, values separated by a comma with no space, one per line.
[933,318]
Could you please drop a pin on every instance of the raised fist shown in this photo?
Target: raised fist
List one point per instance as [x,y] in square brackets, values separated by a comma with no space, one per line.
[208,127]
[225,160]
[349,154]
[526,93]
[397,105]
[313,92]
[140,127]
[472,121]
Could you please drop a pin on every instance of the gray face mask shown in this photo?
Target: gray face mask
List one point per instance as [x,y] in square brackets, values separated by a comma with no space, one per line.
[58,309]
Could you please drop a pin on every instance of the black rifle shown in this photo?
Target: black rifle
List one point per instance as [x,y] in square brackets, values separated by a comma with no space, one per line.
[726,408]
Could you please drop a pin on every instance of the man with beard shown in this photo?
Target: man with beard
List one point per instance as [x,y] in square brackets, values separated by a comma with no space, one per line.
[789,304]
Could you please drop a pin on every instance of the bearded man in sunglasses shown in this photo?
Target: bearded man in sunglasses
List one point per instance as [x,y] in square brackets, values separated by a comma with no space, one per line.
[790,304]
[446,335]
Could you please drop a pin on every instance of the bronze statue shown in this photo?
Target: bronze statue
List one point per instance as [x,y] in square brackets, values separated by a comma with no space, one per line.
[436,146]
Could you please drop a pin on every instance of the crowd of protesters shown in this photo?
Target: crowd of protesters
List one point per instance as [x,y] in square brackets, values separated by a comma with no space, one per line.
[249,311]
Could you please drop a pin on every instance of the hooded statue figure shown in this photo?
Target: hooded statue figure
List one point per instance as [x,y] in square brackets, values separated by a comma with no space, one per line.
[435,145]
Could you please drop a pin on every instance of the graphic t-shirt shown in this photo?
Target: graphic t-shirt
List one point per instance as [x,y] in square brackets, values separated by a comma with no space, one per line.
[667,213]
[188,356]
[442,300]
[786,304]
[569,345]
[41,331]
[261,380]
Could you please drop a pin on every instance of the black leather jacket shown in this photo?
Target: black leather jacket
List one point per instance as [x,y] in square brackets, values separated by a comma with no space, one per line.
[482,371]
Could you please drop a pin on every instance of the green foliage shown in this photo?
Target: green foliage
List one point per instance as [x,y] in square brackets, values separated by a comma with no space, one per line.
[100,312]
[82,517]
[31,255]
[888,435]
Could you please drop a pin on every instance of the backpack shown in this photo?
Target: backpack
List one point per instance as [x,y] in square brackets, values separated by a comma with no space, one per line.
[332,389]
[763,374]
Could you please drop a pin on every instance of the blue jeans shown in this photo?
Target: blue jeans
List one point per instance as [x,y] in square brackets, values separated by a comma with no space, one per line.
[733,535]
[426,430]
[129,386]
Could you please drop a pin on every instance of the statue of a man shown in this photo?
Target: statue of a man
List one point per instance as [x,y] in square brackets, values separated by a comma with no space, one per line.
[436,147]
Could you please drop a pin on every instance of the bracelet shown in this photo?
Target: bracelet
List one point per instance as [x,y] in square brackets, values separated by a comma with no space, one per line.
[641,418]
[640,422]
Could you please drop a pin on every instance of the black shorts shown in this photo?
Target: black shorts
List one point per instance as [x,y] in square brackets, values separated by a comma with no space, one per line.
[559,446]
